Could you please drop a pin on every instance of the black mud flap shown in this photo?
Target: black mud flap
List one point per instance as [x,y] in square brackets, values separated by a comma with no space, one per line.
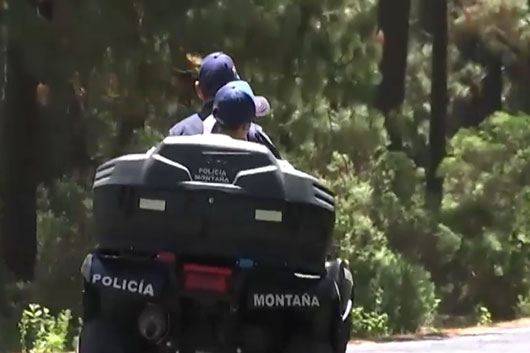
[122,276]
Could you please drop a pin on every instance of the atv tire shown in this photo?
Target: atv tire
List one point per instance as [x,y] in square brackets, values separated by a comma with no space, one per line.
[302,344]
[99,336]
[342,337]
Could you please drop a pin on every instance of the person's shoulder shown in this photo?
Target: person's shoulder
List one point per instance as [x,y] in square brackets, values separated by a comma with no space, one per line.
[187,126]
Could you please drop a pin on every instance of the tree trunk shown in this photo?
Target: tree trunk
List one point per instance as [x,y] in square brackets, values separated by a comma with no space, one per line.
[492,88]
[394,23]
[439,100]
[3,82]
[18,183]
[425,15]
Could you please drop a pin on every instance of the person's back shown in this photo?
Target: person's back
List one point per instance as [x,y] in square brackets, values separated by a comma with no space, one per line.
[216,70]
[234,109]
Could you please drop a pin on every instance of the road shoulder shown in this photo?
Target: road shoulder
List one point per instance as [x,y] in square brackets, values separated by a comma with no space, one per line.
[445,333]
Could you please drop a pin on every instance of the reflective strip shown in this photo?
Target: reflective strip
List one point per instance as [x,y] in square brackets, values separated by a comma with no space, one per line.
[269,216]
[153,205]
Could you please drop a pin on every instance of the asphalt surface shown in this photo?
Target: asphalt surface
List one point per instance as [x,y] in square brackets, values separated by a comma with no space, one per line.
[502,340]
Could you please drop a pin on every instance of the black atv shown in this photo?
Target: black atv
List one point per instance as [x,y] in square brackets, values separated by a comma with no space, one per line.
[209,244]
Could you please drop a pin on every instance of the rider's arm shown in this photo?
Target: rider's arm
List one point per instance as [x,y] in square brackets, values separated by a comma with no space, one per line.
[256,134]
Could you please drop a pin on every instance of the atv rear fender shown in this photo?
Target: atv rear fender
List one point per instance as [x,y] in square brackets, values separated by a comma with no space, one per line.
[340,274]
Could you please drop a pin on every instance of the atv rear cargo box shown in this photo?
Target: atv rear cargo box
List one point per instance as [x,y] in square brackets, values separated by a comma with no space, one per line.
[210,195]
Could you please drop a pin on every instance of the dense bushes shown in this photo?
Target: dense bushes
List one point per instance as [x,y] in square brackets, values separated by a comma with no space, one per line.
[487,206]
[367,207]
[42,332]
[474,253]
[64,237]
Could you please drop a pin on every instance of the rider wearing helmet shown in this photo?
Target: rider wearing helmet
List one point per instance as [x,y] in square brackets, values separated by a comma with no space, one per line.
[234,108]
[218,69]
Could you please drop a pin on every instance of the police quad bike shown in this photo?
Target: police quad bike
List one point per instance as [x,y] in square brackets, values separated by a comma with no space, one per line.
[210,244]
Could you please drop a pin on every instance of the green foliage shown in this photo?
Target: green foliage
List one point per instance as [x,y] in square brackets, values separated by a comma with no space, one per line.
[64,225]
[41,332]
[372,323]
[410,300]
[522,309]
[486,206]
[369,206]
[483,315]
[64,237]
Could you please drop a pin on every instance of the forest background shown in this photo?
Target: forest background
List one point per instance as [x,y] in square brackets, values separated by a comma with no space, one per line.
[420,123]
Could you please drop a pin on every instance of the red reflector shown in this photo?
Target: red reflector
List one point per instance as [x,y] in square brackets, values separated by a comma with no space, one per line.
[206,278]
[167,257]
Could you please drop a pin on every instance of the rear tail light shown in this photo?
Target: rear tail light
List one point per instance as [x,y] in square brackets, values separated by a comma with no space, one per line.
[206,278]
[167,258]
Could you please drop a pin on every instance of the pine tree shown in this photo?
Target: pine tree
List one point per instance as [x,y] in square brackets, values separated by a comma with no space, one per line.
[439,102]
[18,183]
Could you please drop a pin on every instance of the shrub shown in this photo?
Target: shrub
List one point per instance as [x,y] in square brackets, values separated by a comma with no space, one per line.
[522,309]
[64,237]
[41,332]
[483,315]
[404,293]
[370,323]
[487,204]
[409,295]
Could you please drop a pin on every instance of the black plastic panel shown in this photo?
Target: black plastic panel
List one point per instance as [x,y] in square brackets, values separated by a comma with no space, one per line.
[254,208]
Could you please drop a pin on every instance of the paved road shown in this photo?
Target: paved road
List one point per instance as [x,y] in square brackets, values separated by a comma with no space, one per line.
[504,340]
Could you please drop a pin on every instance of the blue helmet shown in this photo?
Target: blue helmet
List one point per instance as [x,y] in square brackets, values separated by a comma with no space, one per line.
[216,70]
[234,104]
